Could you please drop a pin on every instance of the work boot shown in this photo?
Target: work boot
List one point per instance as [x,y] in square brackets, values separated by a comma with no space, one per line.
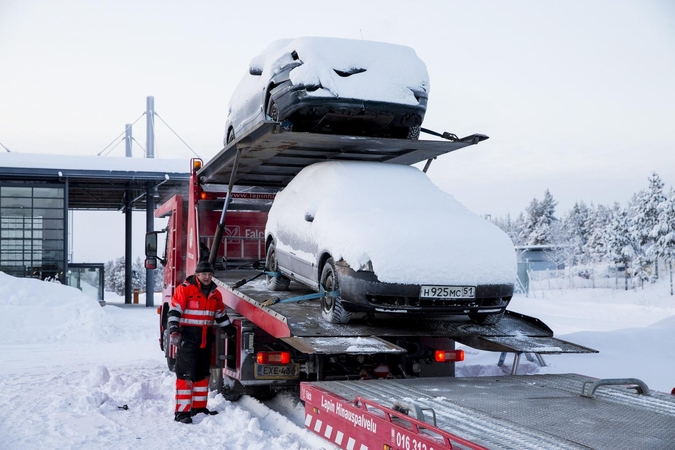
[206,411]
[183,417]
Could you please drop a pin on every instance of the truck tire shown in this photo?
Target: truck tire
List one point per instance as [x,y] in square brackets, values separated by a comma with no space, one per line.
[486,319]
[170,362]
[331,307]
[279,283]
[216,380]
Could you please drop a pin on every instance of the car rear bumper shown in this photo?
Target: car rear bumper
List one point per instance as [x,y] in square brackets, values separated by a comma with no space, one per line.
[361,291]
[334,114]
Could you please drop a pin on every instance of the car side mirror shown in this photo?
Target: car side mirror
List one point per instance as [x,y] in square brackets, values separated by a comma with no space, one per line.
[255,67]
[309,217]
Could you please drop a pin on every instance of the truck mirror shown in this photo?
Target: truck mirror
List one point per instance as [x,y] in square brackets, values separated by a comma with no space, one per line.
[151,263]
[151,245]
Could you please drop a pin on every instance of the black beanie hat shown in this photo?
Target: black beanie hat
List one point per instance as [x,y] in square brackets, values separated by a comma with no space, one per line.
[204,266]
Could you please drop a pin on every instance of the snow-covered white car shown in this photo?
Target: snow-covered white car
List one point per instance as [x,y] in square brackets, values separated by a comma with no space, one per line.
[335,86]
[390,241]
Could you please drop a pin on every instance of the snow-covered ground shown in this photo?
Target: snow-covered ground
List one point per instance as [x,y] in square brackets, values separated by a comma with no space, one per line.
[75,375]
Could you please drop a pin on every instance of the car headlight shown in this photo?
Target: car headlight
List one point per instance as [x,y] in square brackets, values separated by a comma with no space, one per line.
[367,267]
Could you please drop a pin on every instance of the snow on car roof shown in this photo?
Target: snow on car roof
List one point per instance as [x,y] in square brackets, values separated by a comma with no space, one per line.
[394,216]
[391,70]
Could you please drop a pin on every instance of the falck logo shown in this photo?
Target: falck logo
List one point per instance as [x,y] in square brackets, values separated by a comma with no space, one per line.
[232,232]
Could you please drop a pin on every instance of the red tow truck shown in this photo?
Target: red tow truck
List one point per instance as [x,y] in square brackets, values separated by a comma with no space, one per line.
[379,382]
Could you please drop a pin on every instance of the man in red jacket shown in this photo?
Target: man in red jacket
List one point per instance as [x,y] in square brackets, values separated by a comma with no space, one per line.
[195,306]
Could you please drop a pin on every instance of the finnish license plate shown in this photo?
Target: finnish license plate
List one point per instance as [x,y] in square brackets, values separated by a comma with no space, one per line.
[277,371]
[447,291]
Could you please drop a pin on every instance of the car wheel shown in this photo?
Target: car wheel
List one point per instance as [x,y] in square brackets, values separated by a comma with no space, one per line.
[414,132]
[273,112]
[331,307]
[486,319]
[281,282]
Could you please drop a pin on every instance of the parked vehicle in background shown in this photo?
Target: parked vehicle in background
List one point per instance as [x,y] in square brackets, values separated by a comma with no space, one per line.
[335,86]
[390,241]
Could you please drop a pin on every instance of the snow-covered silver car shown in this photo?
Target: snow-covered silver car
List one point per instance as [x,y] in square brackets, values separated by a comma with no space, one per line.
[335,86]
[388,240]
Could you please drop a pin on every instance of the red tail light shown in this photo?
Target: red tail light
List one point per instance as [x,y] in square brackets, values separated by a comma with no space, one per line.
[273,357]
[449,355]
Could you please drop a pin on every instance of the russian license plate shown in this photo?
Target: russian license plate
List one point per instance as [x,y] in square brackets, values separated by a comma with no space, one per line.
[277,371]
[447,291]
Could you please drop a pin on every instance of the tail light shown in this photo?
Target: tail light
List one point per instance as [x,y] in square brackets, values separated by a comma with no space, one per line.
[273,357]
[449,355]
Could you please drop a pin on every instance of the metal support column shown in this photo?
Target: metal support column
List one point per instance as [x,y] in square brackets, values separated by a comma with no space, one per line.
[128,273]
[150,195]
[150,226]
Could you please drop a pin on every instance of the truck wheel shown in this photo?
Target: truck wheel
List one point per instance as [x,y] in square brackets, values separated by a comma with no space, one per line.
[414,132]
[170,362]
[486,319]
[279,283]
[331,307]
[216,380]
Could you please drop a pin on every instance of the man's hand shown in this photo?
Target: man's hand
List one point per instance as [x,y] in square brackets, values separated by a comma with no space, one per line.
[175,338]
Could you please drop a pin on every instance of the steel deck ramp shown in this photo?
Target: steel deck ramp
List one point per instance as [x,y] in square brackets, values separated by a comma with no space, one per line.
[514,333]
[271,157]
[529,412]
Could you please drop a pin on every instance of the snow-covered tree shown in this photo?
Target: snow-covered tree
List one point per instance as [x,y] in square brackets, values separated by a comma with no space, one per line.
[664,233]
[646,219]
[539,221]
[621,246]
[575,232]
[114,276]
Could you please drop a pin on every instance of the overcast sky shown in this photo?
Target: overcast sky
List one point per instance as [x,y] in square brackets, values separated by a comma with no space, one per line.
[576,96]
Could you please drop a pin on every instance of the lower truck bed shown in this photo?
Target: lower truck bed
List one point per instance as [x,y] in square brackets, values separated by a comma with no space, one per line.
[507,412]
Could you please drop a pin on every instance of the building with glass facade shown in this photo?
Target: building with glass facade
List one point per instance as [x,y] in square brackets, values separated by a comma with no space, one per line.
[33,230]
[38,191]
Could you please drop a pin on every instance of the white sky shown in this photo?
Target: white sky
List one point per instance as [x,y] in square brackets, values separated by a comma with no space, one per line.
[576,96]
[68,365]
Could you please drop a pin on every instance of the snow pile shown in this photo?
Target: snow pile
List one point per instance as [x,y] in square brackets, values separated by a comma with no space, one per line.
[36,311]
[393,216]
[76,375]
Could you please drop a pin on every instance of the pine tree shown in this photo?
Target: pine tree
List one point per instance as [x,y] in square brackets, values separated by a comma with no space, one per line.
[664,233]
[576,231]
[621,246]
[540,218]
[646,219]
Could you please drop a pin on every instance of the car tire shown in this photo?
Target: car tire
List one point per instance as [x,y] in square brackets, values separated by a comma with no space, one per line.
[332,309]
[273,112]
[414,133]
[281,282]
[486,319]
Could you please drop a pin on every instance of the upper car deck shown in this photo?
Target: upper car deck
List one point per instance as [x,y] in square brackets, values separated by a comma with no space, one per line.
[529,412]
[269,157]
[514,333]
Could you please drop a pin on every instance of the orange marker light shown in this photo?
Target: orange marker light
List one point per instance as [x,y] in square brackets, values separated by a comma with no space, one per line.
[449,355]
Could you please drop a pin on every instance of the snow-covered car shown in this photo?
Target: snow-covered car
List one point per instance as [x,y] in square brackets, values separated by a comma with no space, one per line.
[335,86]
[390,241]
